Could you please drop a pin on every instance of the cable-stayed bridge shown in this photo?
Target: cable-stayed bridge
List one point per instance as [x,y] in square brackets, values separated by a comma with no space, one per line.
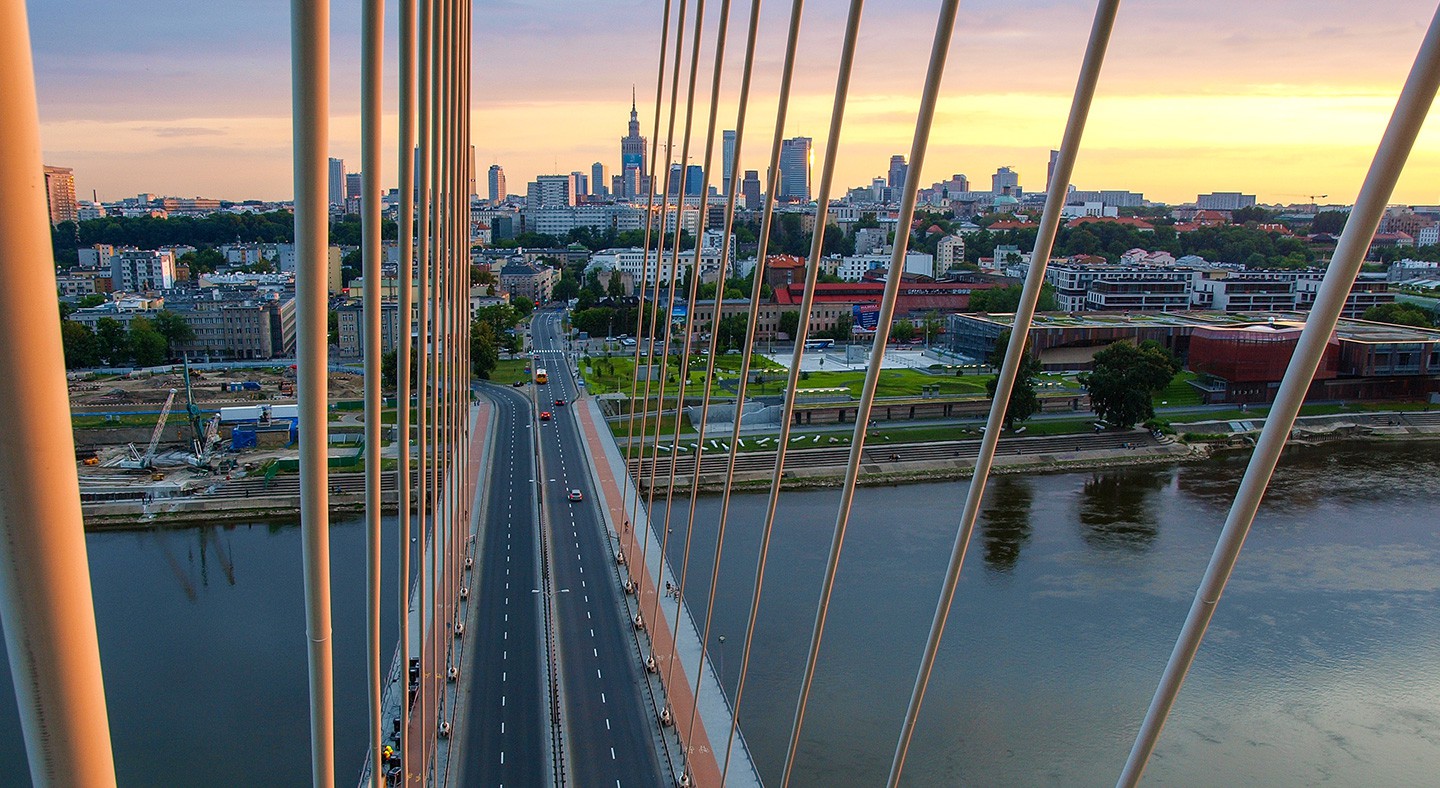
[544,637]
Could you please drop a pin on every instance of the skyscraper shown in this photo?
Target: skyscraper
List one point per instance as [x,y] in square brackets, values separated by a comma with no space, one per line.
[60,194]
[550,191]
[1005,181]
[598,180]
[795,159]
[632,145]
[898,170]
[579,186]
[337,181]
[1050,169]
[353,185]
[750,189]
[727,161]
[497,184]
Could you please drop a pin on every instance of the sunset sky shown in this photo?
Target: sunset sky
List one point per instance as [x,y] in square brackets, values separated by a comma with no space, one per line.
[1284,98]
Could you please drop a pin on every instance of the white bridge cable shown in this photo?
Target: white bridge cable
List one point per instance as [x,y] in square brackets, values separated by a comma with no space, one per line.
[1024,315]
[731,188]
[424,478]
[660,247]
[310,97]
[723,25]
[640,287]
[405,234]
[645,250]
[822,203]
[1394,148]
[767,215]
[371,78]
[940,48]
[45,589]
[669,321]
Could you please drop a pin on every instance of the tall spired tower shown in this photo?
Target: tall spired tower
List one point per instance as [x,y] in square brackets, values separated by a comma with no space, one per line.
[632,152]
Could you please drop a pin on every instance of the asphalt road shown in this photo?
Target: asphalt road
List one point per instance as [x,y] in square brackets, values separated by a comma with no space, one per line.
[610,736]
[505,731]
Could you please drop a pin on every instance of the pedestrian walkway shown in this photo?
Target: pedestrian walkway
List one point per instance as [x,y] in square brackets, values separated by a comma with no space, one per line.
[714,711]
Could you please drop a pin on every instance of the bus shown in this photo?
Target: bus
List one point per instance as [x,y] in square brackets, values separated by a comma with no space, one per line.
[819,344]
[540,376]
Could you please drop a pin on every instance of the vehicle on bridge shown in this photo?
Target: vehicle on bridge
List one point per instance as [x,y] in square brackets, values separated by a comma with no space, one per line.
[559,403]
[576,495]
[544,415]
[540,376]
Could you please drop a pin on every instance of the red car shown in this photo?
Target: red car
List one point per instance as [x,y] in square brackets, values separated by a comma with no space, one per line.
[544,415]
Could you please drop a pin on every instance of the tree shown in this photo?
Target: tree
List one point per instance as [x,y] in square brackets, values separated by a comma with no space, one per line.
[790,323]
[522,306]
[1331,222]
[112,343]
[147,346]
[615,288]
[175,330]
[1007,299]
[484,349]
[932,325]
[1024,402]
[903,331]
[844,323]
[566,289]
[1125,379]
[81,347]
[92,300]
[731,331]
[1399,314]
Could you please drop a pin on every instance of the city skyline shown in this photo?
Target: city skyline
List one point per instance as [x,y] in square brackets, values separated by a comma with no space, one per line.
[1282,117]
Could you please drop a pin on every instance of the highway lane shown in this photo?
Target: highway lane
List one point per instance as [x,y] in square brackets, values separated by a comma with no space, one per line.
[611,736]
[505,732]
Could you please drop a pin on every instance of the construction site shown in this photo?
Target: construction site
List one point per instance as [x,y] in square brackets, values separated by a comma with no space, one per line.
[147,437]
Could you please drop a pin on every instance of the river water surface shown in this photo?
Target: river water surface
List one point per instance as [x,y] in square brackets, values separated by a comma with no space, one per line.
[1322,664]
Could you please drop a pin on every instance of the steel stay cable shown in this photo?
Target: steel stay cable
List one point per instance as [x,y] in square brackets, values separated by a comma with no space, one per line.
[645,248]
[670,287]
[650,347]
[1020,330]
[371,77]
[787,73]
[944,28]
[832,145]
[722,29]
[405,236]
[725,249]
[424,479]
[310,109]
[431,664]
[1394,148]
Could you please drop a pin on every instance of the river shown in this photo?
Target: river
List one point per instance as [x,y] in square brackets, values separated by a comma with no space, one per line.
[1322,664]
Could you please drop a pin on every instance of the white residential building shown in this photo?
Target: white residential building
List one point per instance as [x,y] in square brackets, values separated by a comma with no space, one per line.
[133,271]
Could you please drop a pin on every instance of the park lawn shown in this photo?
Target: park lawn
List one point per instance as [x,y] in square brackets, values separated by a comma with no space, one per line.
[509,370]
[101,422]
[620,428]
[617,374]
[1179,394]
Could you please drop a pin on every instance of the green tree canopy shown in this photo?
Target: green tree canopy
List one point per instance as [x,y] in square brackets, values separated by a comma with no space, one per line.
[1003,300]
[175,330]
[484,349]
[903,331]
[81,347]
[790,322]
[1024,402]
[1400,314]
[113,343]
[147,346]
[1125,379]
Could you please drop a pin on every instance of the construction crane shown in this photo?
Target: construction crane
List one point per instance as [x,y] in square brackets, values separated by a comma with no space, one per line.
[143,462]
